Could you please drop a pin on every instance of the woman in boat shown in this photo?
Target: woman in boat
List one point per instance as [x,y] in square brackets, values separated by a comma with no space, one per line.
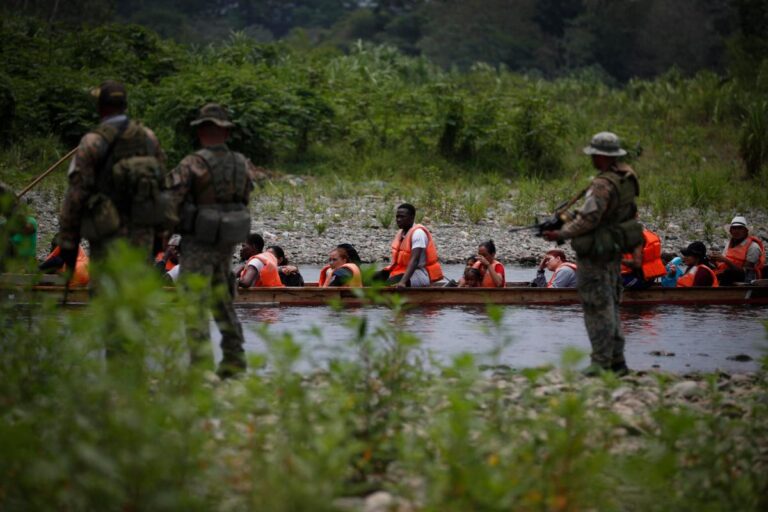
[490,268]
[699,270]
[342,270]
[289,274]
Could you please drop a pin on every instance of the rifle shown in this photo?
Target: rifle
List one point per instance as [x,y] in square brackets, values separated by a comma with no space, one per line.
[46,173]
[556,221]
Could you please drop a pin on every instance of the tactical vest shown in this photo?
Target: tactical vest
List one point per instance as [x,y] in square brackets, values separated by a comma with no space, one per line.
[619,231]
[128,184]
[219,214]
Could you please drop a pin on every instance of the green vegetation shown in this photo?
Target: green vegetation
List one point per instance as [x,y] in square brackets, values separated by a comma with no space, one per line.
[377,121]
[299,434]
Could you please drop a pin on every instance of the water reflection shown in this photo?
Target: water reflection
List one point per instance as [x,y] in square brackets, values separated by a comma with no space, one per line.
[702,338]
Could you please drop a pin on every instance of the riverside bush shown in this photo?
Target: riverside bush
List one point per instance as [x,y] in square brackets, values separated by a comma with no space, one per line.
[302,431]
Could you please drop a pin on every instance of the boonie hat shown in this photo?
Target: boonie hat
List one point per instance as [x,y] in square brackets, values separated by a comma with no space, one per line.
[605,143]
[739,221]
[112,93]
[695,249]
[213,113]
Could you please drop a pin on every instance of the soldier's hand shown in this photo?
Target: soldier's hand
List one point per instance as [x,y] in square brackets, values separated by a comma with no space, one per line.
[552,236]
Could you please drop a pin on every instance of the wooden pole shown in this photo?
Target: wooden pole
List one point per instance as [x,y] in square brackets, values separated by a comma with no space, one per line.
[46,173]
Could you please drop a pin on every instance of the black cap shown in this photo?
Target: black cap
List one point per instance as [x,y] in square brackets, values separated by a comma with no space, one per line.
[111,93]
[695,249]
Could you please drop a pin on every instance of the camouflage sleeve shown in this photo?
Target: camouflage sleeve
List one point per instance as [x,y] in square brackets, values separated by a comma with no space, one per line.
[596,203]
[82,183]
[179,180]
[257,177]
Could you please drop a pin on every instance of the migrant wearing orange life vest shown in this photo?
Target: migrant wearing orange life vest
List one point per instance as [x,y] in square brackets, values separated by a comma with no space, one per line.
[686,280]
[652,266]
[80,277]
[168,264]
[401,254]
[565,264]
[356,281]
[738,256]
[487,281]
[269,277]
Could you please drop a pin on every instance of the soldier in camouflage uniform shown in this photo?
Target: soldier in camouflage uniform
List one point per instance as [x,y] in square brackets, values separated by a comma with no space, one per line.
[115,139]
[212,177]
[609,202]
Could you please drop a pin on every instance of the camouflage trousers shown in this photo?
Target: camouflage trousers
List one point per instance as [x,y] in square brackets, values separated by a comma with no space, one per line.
[217,295]
[141,238]
[599,285]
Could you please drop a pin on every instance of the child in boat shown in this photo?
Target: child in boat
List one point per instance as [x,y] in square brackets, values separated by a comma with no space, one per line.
[472,278]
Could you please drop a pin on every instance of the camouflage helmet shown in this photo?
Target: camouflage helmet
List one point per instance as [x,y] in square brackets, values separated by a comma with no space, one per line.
[605,143]
[213,113]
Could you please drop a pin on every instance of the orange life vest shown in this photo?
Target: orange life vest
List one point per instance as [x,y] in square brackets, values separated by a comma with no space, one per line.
[269,277]
[487,281]
[168,264]
[565,264]
[652,266]
[80,277]
[738,256]
[401,254]
[686,280]
[356,281]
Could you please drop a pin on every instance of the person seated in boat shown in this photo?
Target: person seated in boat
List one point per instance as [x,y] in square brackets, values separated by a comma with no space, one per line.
[674,267]
[414,261]
[493,274]
[169,258]
[641,268]
[289,274]
[472,278]
[744,256]
[699,271]
[54,264]
[563,271]
[342,269]
[260,269]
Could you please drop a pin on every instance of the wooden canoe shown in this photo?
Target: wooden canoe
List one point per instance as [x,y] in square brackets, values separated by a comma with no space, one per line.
[18,288]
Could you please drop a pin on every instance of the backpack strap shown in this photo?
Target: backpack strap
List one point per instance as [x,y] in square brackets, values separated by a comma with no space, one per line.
[111,133]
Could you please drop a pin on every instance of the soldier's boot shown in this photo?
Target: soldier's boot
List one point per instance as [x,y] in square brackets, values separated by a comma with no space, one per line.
[233,364]
[620,369]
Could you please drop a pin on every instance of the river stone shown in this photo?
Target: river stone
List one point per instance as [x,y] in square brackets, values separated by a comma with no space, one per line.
[685,389]
[382,501]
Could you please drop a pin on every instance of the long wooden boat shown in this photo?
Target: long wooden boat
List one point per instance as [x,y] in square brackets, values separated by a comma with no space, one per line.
[21,289]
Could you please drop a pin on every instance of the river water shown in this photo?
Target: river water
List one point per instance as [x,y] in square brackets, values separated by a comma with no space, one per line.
[671,338]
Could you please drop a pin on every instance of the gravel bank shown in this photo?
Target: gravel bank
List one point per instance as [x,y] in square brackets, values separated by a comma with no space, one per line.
[308,232]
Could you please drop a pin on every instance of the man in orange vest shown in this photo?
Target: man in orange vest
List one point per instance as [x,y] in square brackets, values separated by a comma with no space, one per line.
[261,267]
[641,268]
[744,257]
[414,260]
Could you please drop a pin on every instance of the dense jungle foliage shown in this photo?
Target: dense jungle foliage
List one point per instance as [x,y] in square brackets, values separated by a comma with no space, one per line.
[376,115]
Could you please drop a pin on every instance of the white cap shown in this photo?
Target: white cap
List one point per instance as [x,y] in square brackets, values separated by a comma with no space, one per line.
[739,220]
[175,240]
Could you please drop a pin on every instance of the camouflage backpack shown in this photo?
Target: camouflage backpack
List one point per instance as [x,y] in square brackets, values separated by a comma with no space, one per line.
[131,177]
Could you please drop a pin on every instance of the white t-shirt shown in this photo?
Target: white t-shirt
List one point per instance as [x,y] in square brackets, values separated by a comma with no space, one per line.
[173,274]
[420,277]
[256,263]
